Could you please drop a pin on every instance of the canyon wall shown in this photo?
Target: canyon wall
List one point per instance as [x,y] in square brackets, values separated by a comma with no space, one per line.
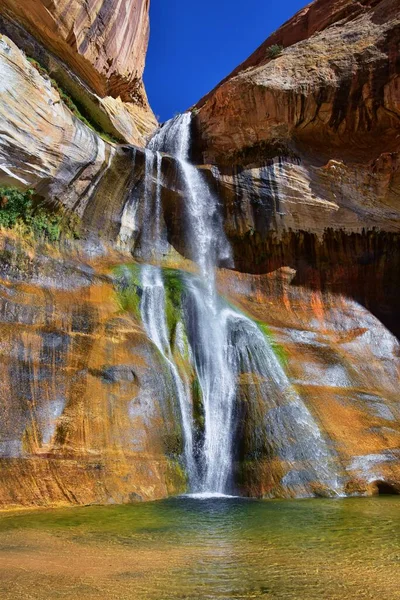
[105,41]
[304,142]
[86,416]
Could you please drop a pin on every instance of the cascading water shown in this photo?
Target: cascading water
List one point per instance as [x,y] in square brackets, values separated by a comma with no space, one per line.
[209,246]
[223,343]
[208,334]
[155,322]
[208,243]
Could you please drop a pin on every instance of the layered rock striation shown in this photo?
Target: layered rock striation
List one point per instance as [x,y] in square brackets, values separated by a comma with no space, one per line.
[331,88]
[84,414]
[97,52]
[304,142]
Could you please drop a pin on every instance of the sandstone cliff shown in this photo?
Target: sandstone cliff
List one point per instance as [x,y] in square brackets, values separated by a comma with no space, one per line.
[331,89]
[83,415]
[305,138]
[316,126]
[45,147]
[96,52]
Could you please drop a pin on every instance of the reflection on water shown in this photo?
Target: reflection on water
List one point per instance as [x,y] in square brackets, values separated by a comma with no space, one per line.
[215,548]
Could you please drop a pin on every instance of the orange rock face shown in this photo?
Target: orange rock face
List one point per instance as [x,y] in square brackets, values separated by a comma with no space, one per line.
[307,146]
[92,419]
[84,418]
[344,365]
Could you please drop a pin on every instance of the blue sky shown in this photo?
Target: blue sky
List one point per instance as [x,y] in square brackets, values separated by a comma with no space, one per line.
[195,44]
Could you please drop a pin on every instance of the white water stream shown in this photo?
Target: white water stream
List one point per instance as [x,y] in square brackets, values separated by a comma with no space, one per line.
[223,342]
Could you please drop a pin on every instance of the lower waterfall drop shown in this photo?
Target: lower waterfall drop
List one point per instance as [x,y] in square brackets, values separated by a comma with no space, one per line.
[152,309]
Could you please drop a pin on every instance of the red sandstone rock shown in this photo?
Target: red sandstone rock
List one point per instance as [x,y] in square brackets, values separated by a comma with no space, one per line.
[334,93]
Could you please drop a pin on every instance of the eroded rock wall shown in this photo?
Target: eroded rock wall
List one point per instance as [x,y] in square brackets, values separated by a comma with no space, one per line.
[103,41]
[304,147]
[336,91]
[345,366]
[44,147]
[85,414]
[309,140]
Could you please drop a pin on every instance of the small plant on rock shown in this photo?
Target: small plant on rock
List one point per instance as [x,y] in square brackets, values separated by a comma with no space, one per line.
[19,210]
[274,51]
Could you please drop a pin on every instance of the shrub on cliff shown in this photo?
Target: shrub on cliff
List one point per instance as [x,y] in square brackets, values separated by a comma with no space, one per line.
[18,210]
[13,205]
[274,50]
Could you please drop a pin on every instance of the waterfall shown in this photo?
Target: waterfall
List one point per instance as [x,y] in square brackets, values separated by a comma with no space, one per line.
[286,421]
[223,344]
[208,333]
[207,240]
[208,247]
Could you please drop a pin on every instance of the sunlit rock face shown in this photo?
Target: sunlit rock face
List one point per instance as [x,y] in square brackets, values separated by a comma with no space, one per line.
[42,142]
[43,146]
[101,50]
[308,140]
[304,149]
[86,416]
[105,42]
[332,92]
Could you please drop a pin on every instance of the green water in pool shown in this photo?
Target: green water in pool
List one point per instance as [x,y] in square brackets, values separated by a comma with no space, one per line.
[224,548]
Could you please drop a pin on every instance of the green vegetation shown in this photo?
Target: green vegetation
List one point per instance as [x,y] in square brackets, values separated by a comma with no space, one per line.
[19,210]
[129,292]
[75,107]
[173,290]
[198,406]
[279,350]
[176,478]
[274,51]
[173,442]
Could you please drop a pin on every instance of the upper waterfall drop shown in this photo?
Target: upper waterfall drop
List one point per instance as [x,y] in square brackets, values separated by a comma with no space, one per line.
[209,246]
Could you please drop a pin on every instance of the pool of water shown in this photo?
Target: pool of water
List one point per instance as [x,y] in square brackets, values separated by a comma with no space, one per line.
[210,548]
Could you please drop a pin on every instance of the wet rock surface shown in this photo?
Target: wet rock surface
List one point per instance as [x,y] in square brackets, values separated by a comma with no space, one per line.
[345,366]
[92,418]
[84,414]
